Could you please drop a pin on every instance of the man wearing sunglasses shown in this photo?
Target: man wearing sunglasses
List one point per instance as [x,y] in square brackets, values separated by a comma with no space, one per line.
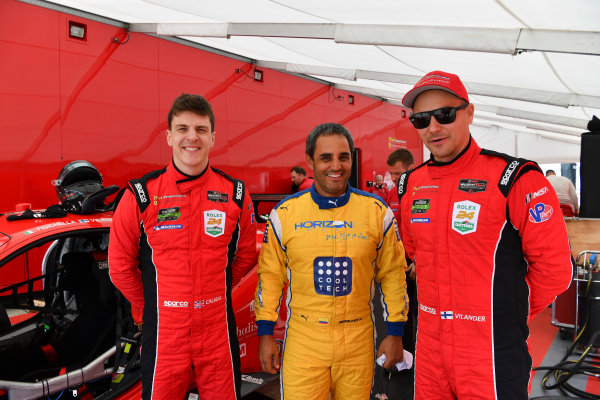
[490,247]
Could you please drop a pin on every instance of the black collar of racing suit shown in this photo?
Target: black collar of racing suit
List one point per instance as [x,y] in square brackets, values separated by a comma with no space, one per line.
[188,177]
[330,202]
[434,163]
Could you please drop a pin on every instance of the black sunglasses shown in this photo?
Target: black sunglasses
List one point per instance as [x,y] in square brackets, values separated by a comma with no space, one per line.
[444,115]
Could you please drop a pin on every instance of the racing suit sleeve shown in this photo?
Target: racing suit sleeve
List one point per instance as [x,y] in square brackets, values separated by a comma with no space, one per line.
[246,253]
[389,272]
[272,277]
[123,250]
[535,212]
[404,222]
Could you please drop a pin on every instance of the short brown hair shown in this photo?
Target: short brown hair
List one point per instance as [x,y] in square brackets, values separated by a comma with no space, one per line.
[194,103]
[403,155]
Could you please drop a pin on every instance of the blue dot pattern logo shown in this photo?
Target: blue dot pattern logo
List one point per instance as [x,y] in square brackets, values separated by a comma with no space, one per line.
[333,276]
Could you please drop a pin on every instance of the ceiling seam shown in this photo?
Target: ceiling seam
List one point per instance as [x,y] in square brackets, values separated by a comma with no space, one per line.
[515,16]
[301,11]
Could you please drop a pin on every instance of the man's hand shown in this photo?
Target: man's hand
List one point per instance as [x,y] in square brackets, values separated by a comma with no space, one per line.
[392,347]
[411,271]
[268,354]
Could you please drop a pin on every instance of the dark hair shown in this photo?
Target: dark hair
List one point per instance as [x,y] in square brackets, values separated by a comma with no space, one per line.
[194,103]
[327,130]
[299,170]
[403,155]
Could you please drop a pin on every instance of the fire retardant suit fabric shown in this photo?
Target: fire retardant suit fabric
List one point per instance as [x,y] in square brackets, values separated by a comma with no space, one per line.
[329,250]
[193,238]
[491,251]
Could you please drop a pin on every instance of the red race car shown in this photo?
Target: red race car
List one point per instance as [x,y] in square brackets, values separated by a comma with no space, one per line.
[64,329]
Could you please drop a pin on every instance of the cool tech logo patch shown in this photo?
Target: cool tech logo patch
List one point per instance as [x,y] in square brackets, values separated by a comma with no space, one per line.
[464,217]
[333,276]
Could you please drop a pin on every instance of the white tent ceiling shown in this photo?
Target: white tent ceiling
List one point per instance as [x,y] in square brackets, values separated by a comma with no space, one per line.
[532,67]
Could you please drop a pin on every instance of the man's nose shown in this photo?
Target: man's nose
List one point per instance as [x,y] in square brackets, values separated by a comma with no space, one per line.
[434,125]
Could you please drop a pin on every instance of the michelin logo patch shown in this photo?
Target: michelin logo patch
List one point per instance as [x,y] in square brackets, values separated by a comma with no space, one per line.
[333,275]
[214,222]
[464,217]
[167,227]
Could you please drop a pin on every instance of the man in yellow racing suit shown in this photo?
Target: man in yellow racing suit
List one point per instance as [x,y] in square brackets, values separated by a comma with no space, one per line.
[328,243]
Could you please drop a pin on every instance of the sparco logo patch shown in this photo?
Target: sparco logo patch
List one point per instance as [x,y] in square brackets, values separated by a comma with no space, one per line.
[472,185]
[401,184]
[238,191]
[140,190]
[214,222]
[333,276]
[464,217]
[178,304]
[509,172]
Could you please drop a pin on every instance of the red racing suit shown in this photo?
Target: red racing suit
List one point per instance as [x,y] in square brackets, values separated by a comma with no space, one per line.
[177,245]
[491,251]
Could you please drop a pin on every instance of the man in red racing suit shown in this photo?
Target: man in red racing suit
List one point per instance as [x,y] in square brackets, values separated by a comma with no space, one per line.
[490,247]
[181,237]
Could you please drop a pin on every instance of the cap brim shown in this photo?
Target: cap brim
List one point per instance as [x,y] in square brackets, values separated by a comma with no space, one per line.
[409,98]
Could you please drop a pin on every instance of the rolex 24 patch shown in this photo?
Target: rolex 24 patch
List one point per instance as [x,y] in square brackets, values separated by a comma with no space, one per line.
[464,217]
[214,222]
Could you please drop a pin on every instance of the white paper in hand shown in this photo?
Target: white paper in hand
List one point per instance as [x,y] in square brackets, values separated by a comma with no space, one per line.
[406,362]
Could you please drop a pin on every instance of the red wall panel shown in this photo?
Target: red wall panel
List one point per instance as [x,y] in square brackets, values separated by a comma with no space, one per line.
[63,99]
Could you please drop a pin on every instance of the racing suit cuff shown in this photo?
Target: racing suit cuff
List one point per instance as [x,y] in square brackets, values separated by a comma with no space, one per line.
[393,328]
[265,327]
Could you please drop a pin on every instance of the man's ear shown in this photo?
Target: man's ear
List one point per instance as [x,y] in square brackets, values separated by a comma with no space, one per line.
[309,161]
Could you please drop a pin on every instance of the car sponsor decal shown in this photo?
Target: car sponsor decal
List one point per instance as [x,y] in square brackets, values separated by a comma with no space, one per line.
[333,276]
[167,227]
[540,212]
[217,197]
[168,214]
[214,222]
[530,196]
[472,185]
[419,206]
[419,220]
[464,217]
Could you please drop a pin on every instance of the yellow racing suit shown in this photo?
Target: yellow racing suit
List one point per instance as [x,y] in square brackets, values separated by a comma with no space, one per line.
[329,250]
